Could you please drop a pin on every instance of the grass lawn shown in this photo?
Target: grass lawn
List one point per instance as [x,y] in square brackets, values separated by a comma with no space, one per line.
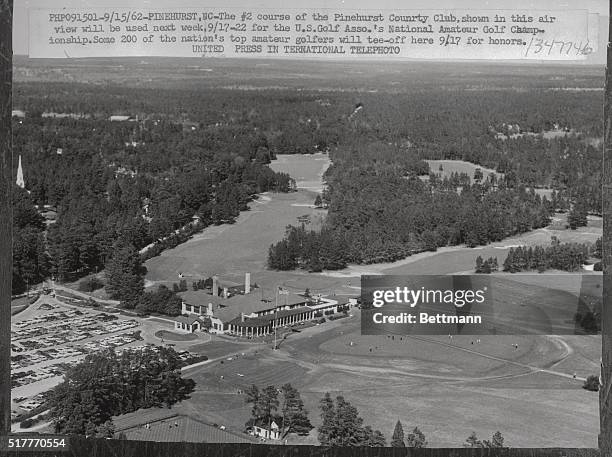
[172,336]
[458,166]
[447,392]
[20,304]
[18,308]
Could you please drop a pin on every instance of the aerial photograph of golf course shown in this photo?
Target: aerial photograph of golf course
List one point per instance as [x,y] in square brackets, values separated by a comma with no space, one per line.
[231,212]
[447,389]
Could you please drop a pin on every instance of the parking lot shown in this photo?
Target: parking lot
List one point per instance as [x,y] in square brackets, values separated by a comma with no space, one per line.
[50,336]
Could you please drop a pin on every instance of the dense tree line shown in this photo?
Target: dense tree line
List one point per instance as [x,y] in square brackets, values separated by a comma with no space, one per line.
[496,441]
[30,257]
[557,256]
[569,164]
[163,301]
[442,116]
[381,211]
[199,151]
[106,384]
[146,182]
[124,274]
[124,282]
[577,217]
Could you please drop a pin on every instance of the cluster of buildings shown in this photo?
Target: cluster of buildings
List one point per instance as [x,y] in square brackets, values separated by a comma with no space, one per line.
[241,310]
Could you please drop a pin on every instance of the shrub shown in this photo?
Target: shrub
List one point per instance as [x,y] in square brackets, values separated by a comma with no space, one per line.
[589,321]
[90,284]
[591,383]
[598,266]
[27,423]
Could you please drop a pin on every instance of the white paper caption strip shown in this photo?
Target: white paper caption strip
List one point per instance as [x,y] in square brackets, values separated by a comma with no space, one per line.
[313,33]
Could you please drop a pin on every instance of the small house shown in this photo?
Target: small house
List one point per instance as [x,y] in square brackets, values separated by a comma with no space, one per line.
[265,431]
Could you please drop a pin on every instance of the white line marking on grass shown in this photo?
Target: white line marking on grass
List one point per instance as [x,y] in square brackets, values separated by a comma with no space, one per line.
[500,359]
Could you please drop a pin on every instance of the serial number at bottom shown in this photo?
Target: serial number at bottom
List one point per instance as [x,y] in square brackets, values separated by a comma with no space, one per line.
[30,443]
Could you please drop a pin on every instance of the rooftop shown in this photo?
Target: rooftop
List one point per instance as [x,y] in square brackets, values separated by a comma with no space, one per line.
[251,322]
[189,320]
[201,298]
[230,308]
[265,320]
[166,425]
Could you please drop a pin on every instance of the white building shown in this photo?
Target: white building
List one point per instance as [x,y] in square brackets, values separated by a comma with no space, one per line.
[269,433]
[188,324]
[245,310]
[250,315]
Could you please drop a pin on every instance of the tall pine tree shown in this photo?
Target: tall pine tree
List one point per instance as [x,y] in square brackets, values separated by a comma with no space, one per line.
[294,415]
[397,440]
[124,270]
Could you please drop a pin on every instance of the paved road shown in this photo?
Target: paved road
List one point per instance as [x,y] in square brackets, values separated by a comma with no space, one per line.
[55,286]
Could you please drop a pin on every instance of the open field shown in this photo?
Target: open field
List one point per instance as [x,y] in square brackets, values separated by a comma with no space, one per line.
[19,305]
[459,166]
[243,246]
[236,248]
[232,250]
[574,283]
[434,384]
[307,170]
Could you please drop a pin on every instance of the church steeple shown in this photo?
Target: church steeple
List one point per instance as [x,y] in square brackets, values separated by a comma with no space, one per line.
[20,181]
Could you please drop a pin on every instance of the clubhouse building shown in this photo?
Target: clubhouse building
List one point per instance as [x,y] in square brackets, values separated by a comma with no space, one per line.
[250,314]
